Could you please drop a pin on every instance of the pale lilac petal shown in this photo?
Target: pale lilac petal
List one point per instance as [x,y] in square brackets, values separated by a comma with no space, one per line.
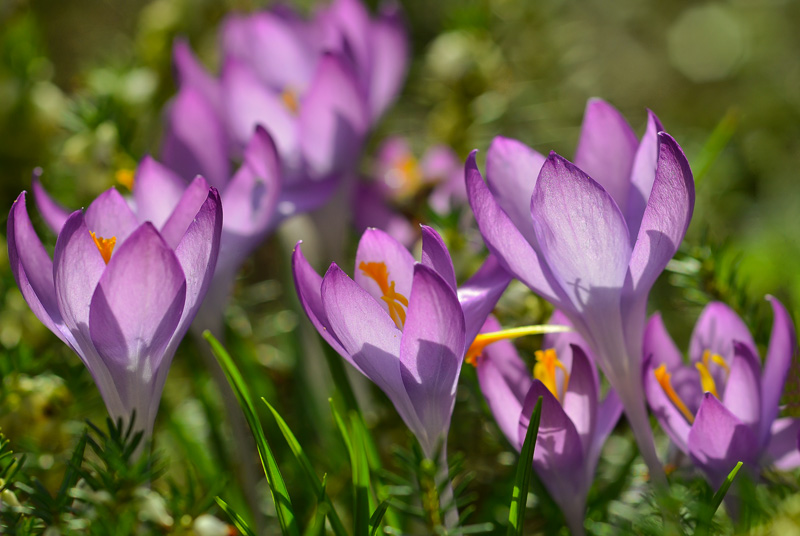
[608,415]
[369,336]
[659,346]
[109,215]
[718,440]
[191,73]
[436,256]
[376,246]
[431,351]
[194,196]
[782,450]
[782,351]
[511,172]
[582,236]
[479,294]
[308,283]
[353,23]
[643,174]
[195,142]
[580,399]
[53,214]
[606,149]
[560,342]
[252,195]
[390,55]
[332,119]
[441,163]
[371,210]
[504,379]
[156,192]
[742,395]
[671,420]
[506,242]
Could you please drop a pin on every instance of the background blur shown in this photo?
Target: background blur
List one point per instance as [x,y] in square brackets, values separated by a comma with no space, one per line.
[82,83]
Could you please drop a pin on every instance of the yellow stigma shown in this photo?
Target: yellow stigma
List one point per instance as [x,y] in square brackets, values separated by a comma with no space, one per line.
[663,378]
[404,176]
[485,339]
[397,302]
[290,100]
[544,370]
[125,177]
[105,245]
[706,379]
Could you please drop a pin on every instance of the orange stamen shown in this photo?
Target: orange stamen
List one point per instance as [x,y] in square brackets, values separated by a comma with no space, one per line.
[706,379]
[404,176]
[544,370]
[125,177]
[396,302]
[485,339]
[290,100]
[663,378]
[105,245]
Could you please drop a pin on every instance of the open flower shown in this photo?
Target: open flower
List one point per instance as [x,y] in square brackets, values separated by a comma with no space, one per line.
[591,237]
[119,292]
[721,408]
[402,323]
[574,423]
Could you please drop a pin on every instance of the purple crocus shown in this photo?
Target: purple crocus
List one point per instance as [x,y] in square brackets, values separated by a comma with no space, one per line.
[574,424]
[722,407]
[593,236]
[121,292]
[401,323]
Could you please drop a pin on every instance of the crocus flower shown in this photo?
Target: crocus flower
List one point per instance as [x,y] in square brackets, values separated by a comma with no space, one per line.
[120,292]
[593,236]
[401,323]
[574,423]
[721,407]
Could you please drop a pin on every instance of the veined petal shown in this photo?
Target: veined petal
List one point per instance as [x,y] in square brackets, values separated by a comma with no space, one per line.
[608,414]
[643,174]
[782,449]
[511,172]
[195,142]
[376,246]
[506,242]
[53,214]
[581,396]
[109,215]
[431,351]
[562,341]
[504,380]
[436,256]
[194,196]
[156,191]
[782,349]
[479,294]
[606,149]
[742,395]
[718,440]
[389,45]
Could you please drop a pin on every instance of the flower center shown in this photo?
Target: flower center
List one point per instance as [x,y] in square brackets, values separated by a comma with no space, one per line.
[104,245]
[544,370]
[291,100]
[664,380]
[706,380]
[482,340]
[396,302]
[404,176]
[125,177]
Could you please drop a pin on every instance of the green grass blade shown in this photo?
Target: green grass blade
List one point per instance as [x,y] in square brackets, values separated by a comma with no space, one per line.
[716,500]
[715,144]
[360,465]
[235,518]
[311,477]
[516,515]
[283,504]
[377,517]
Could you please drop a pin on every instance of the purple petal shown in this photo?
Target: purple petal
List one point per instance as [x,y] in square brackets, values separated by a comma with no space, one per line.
[671,420]
[606,149]
[436,256]
[782,450]
[333,118]
[742,395]
[252,195]
[506,242]
[608,415]
[561,342]
[376,246]
[194,196]
[718,440]
[156,192]
[782,351]
[190,73]
[389,46]
[371,210]
[308,283]
[582,236]
[53,214]
[109,215]
[352,21]
[658,345]
[643,174]
[511,172]
[504,379]
[580,399]
[479,294]
[195,142]
[431,350]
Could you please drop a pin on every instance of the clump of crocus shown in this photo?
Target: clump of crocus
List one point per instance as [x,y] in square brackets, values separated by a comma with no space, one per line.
[121,292]
[574,423]
[722,407]
[593,236]
[399,178]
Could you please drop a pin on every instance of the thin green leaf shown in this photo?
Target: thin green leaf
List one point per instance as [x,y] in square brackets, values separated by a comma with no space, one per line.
[516,514]
[715,144]
[236,519]
[280,495]
[716,500]
[360,466]
[377,517]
